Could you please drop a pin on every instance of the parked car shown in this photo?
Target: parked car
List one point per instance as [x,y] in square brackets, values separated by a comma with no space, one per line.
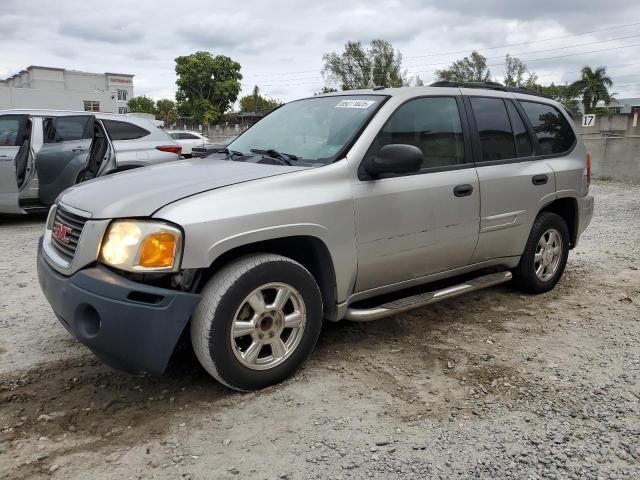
[187,140]
[43,152]
[209,148]
[325,203]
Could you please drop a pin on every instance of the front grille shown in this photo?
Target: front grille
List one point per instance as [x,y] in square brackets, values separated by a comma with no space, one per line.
[75,224]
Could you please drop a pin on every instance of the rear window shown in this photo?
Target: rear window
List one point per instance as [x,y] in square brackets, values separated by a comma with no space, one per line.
[67,129]
[119,130]
[554,133]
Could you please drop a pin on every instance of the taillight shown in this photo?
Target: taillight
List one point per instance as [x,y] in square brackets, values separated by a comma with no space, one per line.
[588,168]
[170,148]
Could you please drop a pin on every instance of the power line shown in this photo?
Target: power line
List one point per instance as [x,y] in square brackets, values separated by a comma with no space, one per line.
[466,50]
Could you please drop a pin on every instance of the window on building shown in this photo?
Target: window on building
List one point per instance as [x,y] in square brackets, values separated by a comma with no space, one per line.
[65,129]
[123,110]
[91,106]
[122,94]
[432,124]
[554,133]
[118,130]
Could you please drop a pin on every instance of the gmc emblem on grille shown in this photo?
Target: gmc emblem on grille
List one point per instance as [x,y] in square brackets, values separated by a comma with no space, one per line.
[61,232]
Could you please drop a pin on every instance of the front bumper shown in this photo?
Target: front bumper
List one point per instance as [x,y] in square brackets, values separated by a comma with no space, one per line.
[129,326]
[585,214]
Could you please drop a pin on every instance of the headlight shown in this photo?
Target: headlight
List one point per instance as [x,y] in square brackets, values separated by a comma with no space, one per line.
[141,246]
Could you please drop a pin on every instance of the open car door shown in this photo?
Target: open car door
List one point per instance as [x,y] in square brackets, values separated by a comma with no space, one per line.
[14,147]
[64,154]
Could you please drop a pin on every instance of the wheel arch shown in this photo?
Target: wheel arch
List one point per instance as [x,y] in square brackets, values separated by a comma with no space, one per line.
[567,208]
[308,250]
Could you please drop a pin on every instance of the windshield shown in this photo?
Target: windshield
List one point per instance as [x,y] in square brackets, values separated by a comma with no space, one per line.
[314,130]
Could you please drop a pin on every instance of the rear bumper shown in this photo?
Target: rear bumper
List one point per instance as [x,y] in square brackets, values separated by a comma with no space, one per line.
[585,214]
[129,326]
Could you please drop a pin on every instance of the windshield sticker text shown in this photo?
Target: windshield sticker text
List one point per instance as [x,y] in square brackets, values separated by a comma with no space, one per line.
[362,104]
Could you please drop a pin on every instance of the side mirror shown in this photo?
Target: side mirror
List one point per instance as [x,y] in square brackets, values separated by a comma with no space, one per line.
[395,158]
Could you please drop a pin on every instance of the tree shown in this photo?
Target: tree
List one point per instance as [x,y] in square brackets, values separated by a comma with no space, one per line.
[564,94]
[166,111]
[326,90]
[516,73]
[593,86]
[207,85]
[142,104]
[358,67]
[257,103]
[470,69]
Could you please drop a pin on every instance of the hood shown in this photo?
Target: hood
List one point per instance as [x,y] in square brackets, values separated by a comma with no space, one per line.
[140,192]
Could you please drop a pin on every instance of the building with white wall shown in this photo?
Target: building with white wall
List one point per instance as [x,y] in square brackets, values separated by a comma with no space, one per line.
[60,89]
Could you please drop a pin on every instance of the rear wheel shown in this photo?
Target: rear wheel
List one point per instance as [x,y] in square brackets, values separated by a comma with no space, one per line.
[259,319]
[545,255]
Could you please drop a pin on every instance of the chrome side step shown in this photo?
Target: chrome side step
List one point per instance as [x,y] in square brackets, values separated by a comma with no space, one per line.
[420,300]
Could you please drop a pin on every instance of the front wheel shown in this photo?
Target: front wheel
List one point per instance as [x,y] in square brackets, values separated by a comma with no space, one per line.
[259,319]
[545,255]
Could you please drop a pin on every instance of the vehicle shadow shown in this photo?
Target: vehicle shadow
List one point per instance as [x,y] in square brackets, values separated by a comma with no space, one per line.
[32,218]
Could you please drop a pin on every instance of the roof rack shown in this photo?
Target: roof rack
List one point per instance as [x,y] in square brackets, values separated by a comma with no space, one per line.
[489,86]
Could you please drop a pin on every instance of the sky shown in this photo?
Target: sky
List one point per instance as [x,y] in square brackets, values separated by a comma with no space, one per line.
[280,43]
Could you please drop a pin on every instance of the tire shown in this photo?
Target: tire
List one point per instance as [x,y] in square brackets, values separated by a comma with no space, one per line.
[225,309]
[540,268]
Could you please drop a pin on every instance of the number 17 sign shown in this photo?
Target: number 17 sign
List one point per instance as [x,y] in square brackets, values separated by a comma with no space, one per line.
[588,120]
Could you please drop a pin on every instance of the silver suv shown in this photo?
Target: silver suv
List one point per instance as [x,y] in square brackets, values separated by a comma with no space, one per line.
[325,203]
[43,152]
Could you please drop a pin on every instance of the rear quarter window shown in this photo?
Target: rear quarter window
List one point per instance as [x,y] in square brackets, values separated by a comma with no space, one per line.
[119,130]
[552,129]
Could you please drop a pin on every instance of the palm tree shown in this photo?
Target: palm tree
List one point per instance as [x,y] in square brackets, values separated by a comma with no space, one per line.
[166,111]
[593,86]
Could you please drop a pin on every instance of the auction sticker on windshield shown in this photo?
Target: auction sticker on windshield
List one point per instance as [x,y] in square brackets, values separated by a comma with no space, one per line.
[363,104]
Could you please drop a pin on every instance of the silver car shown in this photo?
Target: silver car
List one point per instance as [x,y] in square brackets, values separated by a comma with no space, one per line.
[355,205]
[43,152]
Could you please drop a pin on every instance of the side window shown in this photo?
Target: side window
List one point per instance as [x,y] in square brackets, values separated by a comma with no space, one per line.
[432,124]
[124,130]
[554,133]
[9,127]
[494,129]
[524,148]
[189,136]
[66,129]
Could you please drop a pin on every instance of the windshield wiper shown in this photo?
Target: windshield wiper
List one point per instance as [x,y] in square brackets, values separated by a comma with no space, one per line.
[275,154]
[231,153]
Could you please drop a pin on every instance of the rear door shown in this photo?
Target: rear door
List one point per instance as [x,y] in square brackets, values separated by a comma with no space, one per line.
[514,183]
[64,154]
[12,136]
[129,142]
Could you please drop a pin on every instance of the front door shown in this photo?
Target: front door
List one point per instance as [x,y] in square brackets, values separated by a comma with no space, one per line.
[64,154]
[410,226]
[13,138]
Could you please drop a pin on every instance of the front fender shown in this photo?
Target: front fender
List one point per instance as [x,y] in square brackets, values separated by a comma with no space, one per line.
[262,234]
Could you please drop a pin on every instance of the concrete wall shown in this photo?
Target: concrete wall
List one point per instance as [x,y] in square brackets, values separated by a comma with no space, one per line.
[614,144]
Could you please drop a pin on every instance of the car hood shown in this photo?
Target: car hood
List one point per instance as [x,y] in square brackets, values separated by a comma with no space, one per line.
[141,192]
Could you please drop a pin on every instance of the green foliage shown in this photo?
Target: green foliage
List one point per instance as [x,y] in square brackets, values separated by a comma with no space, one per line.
[207,85]
[166,111]
[257,103]
[359,67]
[142,104]
[326,90]
[565,94]
[470,69]
[593,86]
[516,73]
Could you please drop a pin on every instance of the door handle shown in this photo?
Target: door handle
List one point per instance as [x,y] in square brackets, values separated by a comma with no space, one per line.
[79,149]
[463,190]
[6,157]
[539,179]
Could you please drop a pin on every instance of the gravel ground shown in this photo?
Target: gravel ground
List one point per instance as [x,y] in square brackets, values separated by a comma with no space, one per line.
[492,385]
